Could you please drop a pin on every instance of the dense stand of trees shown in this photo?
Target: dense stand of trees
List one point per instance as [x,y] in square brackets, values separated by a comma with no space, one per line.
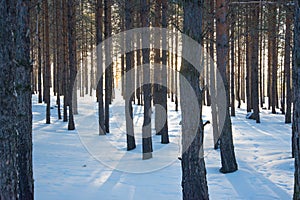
[54,52]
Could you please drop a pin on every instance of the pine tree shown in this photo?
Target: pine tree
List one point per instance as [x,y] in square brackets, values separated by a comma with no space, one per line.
[8,104]
[226,141]
[194,183]
[23,93]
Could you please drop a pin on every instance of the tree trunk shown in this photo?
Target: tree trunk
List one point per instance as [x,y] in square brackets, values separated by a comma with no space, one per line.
[164,131]
[287,67]
[296,113]
[254,61]
[274,57]
[47,66]
[72,59]
[146,132]
[92,72]
[194,183]
[58,56]
[176,60]
[212,70]
[39,59]
[226,142]
[248,63]
[65,60]
[8,105]
[99,78]
[23,93]
[239,75]
[108,57]
[232,105]
[157,95]
[128,82]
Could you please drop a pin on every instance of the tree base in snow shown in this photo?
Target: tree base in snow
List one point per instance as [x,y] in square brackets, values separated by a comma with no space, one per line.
[224,171]
[147,156]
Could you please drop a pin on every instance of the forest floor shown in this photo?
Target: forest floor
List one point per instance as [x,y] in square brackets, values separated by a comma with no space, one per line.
[81,164]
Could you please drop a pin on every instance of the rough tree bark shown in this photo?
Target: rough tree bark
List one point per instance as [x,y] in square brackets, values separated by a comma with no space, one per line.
[214,108]
[72,59]
[108,70]
[8,105]
[296,113]
[23,92]
[287,66]
[232,92]
[99,78]
[47,67]
[146,132]
[194,183]
[164,130]
[226,142]
[254,61]
[128,82]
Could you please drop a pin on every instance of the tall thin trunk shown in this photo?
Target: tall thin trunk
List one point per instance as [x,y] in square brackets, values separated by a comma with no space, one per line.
[47,67]
[65,60]
[228,159]
[239,75]
[122,43]
[164,131]
[248,63]
[214,108]
[92,72]
[274,57]
[128,82]
[287,67]
[261,58]
[232,92]
[146,132]
[296,113]
[138,63]
[99,78]
[72,59]
[58,56]
[176,60]
[39,58]
[157,95]
[254,61]
[23,91]
[108,57]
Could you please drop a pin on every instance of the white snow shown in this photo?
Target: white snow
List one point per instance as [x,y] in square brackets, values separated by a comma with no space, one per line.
[81,164]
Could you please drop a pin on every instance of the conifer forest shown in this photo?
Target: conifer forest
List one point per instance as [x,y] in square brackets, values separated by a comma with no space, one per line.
[149,99]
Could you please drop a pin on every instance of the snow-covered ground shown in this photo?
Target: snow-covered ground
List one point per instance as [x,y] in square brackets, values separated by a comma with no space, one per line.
[83,165]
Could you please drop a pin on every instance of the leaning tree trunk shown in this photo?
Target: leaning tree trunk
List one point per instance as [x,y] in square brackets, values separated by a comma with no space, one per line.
[194,183]
[296,114]
[23,93]
[226,142]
